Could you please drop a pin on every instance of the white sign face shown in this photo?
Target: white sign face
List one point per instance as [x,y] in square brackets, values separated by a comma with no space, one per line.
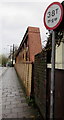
[53,16]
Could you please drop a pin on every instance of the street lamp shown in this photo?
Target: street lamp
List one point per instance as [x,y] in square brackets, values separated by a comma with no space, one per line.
[12,53]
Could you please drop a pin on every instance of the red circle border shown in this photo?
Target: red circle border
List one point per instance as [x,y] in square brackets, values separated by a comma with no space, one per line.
[52,28]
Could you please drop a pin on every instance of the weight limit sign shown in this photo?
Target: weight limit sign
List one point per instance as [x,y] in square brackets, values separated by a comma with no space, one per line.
[53,16]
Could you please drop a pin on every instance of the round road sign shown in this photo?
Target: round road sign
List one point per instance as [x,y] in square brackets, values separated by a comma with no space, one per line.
[53,16]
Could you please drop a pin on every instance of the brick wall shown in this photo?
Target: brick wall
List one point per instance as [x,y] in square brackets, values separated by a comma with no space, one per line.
[34,42]
[24,71]
[30,45]
[40,67]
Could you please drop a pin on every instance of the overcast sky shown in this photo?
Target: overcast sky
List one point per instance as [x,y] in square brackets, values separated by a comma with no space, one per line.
[16,16]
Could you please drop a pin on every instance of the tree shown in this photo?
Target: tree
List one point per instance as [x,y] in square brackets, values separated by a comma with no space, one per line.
[3,60]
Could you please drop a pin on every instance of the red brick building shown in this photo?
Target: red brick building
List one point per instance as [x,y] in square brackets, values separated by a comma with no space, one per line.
[30,45]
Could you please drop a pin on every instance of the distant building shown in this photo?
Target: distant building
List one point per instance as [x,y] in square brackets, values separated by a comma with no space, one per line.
[30,45]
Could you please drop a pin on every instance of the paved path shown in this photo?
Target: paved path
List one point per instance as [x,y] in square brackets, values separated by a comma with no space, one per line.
[2,71]
[13,100]
[0,98]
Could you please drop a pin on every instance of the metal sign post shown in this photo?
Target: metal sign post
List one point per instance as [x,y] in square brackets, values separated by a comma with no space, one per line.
[52,19]
[52,76]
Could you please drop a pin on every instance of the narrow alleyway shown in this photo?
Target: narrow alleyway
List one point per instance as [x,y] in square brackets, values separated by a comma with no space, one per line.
[14,103]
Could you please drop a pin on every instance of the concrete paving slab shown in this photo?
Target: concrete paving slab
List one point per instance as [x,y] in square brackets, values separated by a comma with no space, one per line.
[14,103]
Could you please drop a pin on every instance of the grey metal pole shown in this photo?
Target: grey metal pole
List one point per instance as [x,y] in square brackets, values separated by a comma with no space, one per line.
[52,77]
[13,55]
